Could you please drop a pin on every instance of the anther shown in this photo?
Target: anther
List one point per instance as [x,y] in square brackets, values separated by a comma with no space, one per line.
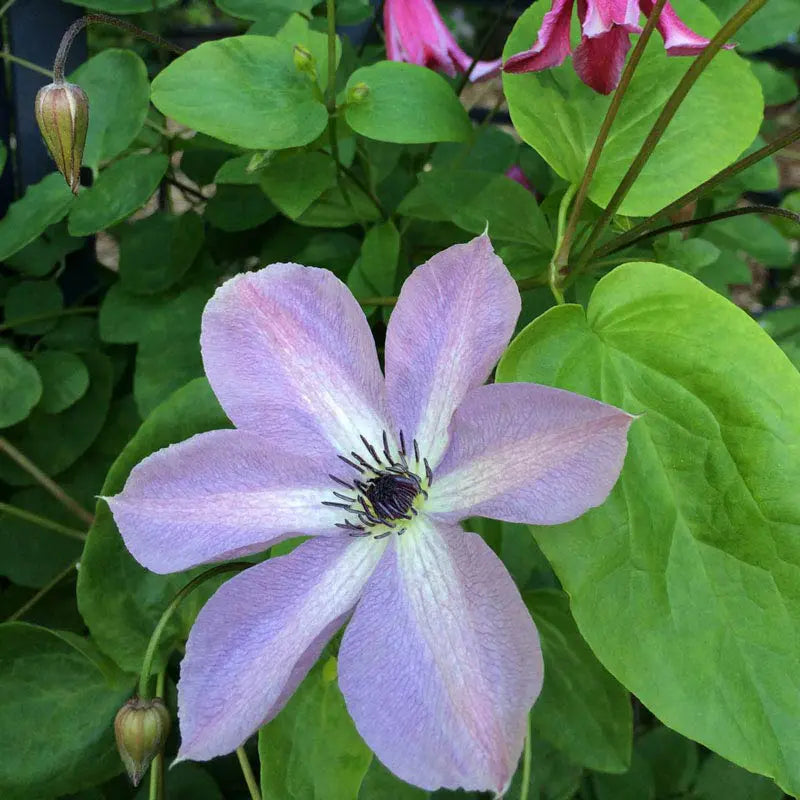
[416,451]
[344,497]
[340,481]
[386,448]
[372,451]
[428,472]
[362,461]
[383,535]
[345,506]
[347,525]
[402,444]
[351,464]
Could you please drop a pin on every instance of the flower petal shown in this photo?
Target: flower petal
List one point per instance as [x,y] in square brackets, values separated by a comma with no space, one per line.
[258,636]
[454,318]
[679,38]
[220,495]
[527,453]
[599,16]
[288,350]
[440,663]
[599,60]
[552,45]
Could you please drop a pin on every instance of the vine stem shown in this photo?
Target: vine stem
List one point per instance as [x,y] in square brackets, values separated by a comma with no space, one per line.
[157,768]
[155,638]
[734,212]
[553,271]
[247,771]
[23,62]
[69,37]
[694,71]
[42,522]
[634,233]
[45,481]
[526,764]
[562,254]
[24,609]
[464,79]
[6,6]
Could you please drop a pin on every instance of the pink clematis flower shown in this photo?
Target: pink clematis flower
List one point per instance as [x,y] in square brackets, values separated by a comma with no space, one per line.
[416,33]
[440,662]
[605,39]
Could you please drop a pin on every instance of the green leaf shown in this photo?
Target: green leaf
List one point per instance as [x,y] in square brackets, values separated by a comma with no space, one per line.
[673,760]
[58,697]
[119,191]
[582,710]
[125,318]
[157,251]
[729,268]
[20,387]
[121,601]
[380,784]
[771,25]
[124,6]
[28,301]
[252,94]
[754,235]
[689,255]
[375,272]
[553,776]
[406,104]
[238,208]
[39,257]
[31,555]
[559,116]
[636,784]
[185,781]
[778,87]
[119,97]
[332,210]
[473,199]
[489,149]
[293,182]
[65,379]
[297,32]
[783,325]
[312,749]
[43,204]
[55,441]
[240,170]
[258,9]
[696,549]
[721,780]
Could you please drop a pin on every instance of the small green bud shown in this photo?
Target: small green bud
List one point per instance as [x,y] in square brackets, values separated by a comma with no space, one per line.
[304,60]
[141,728]
[358,93]
[62,113]
[259,160]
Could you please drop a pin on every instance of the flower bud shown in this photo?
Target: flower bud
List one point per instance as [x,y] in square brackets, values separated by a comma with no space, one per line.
[304,60]
[358,93]
[141,728]
[62,113]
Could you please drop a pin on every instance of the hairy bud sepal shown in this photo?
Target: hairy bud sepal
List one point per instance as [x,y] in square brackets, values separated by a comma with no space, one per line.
[62,113]
[141,728]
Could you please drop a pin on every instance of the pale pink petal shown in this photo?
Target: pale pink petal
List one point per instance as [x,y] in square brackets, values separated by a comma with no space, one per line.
[403,34]
[599,16]
[679,38]
[599,61]
[257,637]
[289,353]
[454,318]
[221,495]
[527,453]
[440,663]
[552,45]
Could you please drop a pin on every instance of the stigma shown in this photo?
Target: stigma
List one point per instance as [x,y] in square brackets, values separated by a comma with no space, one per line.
[388,487]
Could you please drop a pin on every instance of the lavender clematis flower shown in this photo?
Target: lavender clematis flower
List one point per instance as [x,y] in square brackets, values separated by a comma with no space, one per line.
[416,33]
[440,662]
[605,40]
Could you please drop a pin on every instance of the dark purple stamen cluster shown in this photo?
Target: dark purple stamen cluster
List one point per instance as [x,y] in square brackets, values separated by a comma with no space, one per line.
[385,490]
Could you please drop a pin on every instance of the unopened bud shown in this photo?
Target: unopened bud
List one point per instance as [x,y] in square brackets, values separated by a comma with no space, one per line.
[62,113]
[358,93]
[304,60]
[141,728]
[259,160]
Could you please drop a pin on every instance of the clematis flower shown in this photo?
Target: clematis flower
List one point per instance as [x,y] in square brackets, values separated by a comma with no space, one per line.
[440,661]
[416,33]
[605,40]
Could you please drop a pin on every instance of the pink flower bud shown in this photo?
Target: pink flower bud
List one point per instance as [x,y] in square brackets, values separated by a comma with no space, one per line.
[62,113]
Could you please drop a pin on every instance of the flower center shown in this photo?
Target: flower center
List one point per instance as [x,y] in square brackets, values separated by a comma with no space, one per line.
[385,491]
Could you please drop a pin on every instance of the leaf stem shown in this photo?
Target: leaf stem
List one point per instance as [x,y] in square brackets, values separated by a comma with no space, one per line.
[247,771]
[62,312]
[155,638]
[157,767]
[633,234]
[23,62]
[526,764]
[42,522]
[694,71]
[6,6]
[24,609]
[465,76]
[554,270]
[735,212]
[45,481]
[562,254]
